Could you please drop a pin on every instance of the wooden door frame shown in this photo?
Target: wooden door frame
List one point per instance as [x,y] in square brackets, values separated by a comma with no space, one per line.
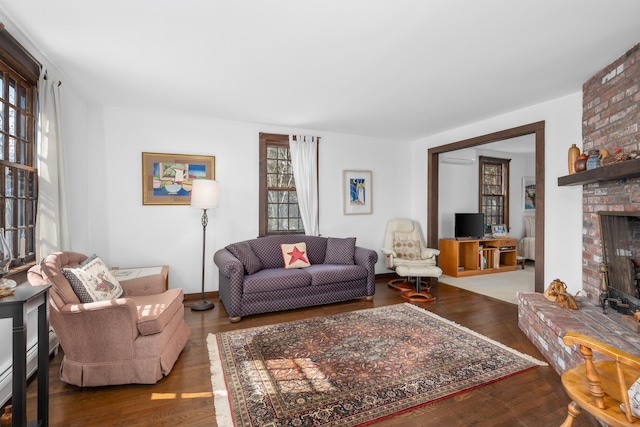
[433,185]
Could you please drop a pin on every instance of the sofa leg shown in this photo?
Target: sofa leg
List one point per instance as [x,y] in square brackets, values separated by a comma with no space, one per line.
[369,298]
[235,319]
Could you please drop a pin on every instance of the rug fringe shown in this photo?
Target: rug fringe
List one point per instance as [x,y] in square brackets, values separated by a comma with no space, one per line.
[218,385]
[478,335]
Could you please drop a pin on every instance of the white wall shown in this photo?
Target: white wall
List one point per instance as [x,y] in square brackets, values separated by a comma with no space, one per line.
[563,205]
[464,198]
[79,166]
[125,232]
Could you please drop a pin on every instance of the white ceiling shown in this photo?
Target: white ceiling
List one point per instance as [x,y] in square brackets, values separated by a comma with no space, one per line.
[401,69]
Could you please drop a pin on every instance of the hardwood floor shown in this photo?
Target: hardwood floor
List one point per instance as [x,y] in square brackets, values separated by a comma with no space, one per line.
[532,398]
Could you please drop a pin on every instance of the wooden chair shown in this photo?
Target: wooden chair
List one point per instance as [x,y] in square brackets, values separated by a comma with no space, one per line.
[600,387]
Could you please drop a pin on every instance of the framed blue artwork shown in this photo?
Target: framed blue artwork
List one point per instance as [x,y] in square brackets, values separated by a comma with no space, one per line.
[357,192]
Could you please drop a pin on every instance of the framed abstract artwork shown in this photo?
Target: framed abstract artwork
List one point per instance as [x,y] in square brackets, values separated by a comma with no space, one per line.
[528,193]
[167,178]
[357,192]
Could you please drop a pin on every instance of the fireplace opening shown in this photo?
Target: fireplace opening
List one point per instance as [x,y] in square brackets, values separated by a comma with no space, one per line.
[620,237]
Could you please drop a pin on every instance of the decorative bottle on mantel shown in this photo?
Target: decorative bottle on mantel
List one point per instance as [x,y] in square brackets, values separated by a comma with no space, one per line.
[581,162]
[594,160]
[574,152]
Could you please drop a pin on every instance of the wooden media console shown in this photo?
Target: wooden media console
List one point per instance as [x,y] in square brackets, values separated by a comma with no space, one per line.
[470,257]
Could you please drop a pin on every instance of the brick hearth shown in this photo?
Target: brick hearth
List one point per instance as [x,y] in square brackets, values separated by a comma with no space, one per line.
[544,323]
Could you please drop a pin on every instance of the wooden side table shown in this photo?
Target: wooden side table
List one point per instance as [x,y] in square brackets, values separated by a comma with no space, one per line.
[16,307]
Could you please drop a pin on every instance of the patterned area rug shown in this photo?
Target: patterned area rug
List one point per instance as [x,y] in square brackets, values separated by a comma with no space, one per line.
[350,369]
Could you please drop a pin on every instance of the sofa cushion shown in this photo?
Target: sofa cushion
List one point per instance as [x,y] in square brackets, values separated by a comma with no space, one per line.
[272,279]
[340,251]
[242,251]
[295,255]
[155,311]
[92,281]
[324,274]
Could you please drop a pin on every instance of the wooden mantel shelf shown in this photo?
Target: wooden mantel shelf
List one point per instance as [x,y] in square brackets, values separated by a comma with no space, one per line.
[623,170]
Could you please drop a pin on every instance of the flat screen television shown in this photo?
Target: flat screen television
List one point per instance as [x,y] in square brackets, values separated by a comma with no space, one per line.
[469,225]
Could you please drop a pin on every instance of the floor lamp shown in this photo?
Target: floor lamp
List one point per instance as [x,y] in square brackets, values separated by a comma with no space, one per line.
[204,195]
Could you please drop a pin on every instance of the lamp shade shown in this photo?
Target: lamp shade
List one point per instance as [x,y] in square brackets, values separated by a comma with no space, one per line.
[204,194]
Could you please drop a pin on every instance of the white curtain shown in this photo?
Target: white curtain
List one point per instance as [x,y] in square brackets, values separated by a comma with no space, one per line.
[52,230]
[304,161]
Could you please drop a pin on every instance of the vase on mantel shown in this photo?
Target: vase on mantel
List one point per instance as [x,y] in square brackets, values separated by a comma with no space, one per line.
[574,152]
[581,162]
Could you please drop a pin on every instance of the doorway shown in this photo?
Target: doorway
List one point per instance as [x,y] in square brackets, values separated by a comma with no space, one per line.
[433,185]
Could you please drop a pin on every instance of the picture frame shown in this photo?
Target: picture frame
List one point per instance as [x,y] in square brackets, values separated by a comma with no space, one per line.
[167,178]
[499,230]
[528,194]
[357,192]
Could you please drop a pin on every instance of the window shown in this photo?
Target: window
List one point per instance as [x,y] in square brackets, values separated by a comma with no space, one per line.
[18,175]
[279,213]
[494,191]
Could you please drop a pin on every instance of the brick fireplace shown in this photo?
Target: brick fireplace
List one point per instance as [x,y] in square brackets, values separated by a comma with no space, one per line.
[610,120]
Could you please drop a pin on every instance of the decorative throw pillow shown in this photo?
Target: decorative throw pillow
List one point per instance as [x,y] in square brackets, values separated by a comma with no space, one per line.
[340,251]
[634,399]
[407,249]
[295,255]
[92,281]
[249,260]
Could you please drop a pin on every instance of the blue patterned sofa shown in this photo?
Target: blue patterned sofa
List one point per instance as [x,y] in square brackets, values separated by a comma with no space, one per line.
[253,278]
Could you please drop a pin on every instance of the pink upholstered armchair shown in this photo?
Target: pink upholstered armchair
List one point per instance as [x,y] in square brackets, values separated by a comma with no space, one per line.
[135,338]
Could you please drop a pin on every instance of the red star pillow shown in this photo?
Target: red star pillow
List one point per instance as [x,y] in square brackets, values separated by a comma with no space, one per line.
[295,256]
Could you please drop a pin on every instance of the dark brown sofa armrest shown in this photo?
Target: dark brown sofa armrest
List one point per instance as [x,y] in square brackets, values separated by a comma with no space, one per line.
[228,264]
[231,281]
